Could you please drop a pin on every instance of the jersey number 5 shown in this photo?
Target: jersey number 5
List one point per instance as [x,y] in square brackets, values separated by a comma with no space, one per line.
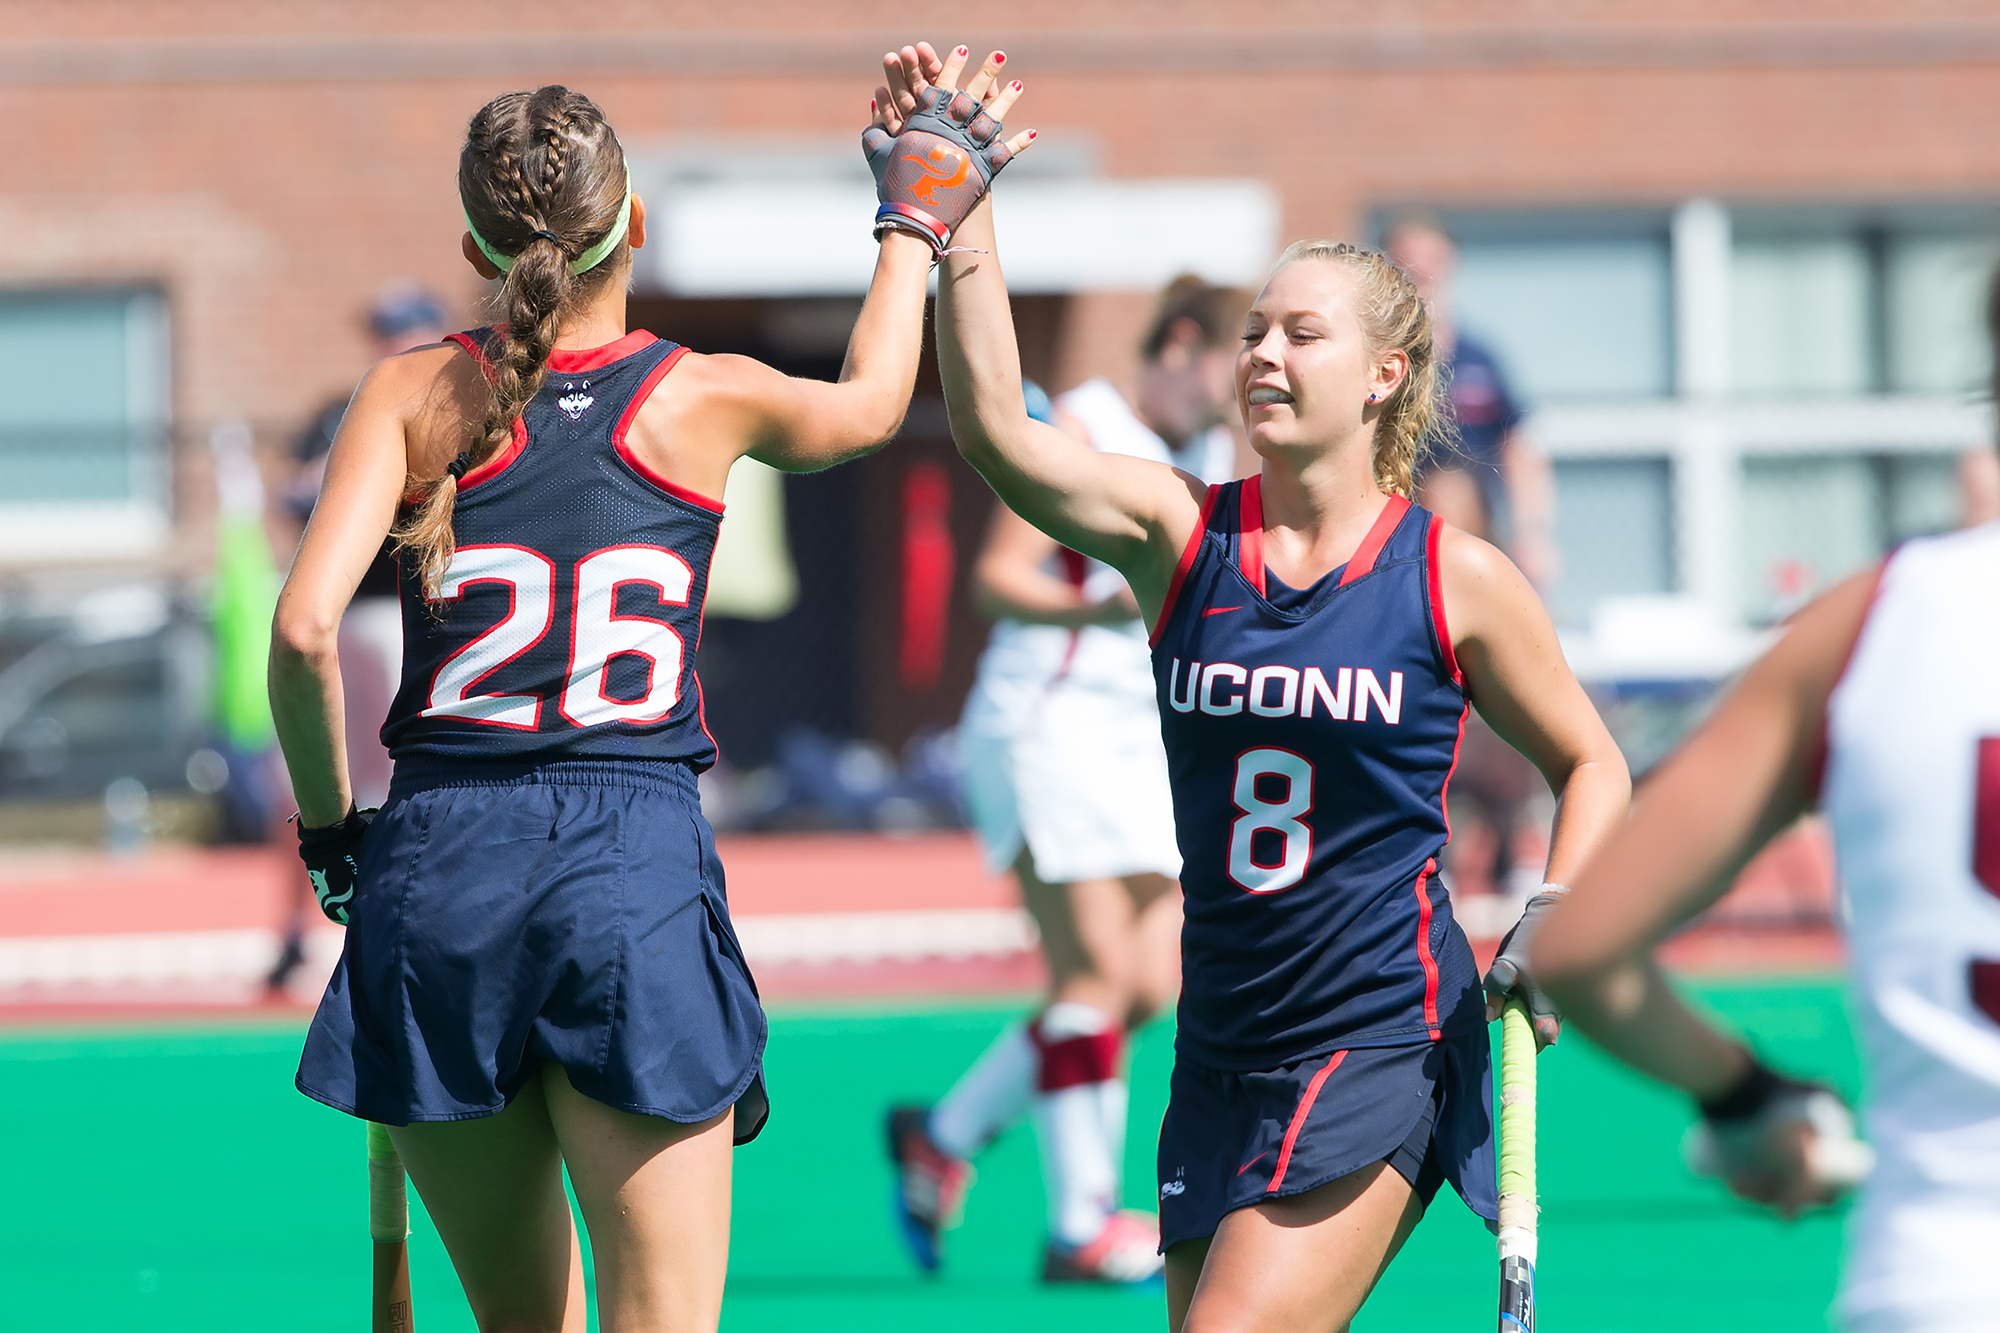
[1270,844]
[597,635]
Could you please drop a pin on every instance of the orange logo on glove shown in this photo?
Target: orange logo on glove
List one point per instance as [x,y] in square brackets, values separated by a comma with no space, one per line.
[940,176]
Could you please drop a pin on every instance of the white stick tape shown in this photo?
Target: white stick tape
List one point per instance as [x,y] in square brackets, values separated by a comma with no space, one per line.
[1515,1242]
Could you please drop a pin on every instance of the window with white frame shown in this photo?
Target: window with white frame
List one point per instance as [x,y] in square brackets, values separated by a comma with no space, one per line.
[1743,405]
[83,414]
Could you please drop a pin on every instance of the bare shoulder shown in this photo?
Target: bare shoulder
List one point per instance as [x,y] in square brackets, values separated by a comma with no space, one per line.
[697,420]
[1483,589]
[719,395]
[720,378]
[416,373]
[436,393]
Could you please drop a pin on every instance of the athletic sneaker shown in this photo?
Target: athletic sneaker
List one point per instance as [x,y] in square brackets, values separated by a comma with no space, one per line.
[931,1185]
[1127,1250]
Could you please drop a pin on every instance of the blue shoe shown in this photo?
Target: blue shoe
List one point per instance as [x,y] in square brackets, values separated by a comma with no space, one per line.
[930,1186]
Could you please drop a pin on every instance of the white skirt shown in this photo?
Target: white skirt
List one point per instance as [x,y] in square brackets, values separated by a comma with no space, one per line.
[1079,778]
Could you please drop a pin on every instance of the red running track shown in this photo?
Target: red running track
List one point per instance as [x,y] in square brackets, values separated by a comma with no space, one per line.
[1778,918]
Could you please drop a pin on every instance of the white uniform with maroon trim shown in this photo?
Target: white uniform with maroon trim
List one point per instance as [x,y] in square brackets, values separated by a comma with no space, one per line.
[1912,790]
[1060,741]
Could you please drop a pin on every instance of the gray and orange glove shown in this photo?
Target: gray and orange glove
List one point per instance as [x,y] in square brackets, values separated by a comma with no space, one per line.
[929,176]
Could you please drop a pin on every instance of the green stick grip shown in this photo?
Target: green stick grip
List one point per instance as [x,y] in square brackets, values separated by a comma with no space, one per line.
[1517,1112]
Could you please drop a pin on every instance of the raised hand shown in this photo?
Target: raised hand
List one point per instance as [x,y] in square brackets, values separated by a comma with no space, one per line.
[935,149]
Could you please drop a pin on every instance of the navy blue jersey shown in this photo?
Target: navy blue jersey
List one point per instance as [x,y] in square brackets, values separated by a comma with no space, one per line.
[1310,737]
[569,618]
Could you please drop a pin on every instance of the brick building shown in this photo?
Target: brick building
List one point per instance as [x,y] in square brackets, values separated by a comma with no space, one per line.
[1731,252]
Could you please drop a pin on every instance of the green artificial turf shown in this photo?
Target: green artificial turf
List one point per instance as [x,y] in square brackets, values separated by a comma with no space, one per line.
[168,1179]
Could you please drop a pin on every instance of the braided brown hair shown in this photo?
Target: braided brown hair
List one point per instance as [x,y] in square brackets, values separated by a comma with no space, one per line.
[543,179]
[1394,317]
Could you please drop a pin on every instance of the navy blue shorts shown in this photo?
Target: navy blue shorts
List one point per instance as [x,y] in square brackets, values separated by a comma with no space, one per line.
[1231,1140]
[510,916]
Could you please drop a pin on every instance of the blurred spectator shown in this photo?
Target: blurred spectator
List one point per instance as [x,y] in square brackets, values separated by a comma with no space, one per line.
[1979,469]
[1495,484]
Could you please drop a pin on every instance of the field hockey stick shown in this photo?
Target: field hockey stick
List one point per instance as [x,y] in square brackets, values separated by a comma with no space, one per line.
[1517,1170]
[389,1225]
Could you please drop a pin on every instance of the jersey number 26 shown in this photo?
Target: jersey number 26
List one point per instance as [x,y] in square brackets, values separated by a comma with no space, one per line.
[597,634]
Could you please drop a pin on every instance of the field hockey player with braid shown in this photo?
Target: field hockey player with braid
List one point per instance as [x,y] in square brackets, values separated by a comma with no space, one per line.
[539,969]
[1317,642]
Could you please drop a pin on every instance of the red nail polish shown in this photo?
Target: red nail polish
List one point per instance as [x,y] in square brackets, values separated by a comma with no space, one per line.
[999,57]
[961,51]
[1017,85]
[1031,134]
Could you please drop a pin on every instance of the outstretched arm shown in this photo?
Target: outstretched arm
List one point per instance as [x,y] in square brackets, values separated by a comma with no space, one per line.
[804,425]
[1742,778]
[1132,514]
[931,163]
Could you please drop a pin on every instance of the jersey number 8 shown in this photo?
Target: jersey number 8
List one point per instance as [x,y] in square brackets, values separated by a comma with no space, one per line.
[597,634]
[1279,818]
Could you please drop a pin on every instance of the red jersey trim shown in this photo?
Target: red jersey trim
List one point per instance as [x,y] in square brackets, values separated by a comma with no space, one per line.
[474,349]
[1299,1121]
[1424,943]
[1817,756]
[1362,562]
[500,462]
[567,361]
[1250,532]
[1435,578]
[497,464]
[645,391]
[1188,554]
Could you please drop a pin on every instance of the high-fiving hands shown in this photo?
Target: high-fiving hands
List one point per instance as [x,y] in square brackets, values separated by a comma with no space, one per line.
[935,149]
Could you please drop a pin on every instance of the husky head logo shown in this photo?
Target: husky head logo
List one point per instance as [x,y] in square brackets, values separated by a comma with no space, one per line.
[575,404]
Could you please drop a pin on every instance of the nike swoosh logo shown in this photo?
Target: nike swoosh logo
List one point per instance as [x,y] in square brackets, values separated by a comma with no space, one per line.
[1218,610]
[1252,1162]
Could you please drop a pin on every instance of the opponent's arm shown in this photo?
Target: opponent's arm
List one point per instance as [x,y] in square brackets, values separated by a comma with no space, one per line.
[1517,678]
[1744,776]
[1011,580]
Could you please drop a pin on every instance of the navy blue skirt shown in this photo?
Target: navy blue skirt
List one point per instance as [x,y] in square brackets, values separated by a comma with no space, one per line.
[510,916]
[1231,1140]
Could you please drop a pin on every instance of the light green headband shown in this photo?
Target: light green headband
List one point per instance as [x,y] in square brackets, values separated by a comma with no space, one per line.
[584,262]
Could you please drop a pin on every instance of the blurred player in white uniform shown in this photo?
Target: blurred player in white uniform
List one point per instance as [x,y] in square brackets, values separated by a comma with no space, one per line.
[1066,784]
[1882,704]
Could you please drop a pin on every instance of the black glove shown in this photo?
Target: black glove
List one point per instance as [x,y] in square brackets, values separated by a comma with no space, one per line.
[1508,977]
[929,176]
[1750,1137]
[333,861]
